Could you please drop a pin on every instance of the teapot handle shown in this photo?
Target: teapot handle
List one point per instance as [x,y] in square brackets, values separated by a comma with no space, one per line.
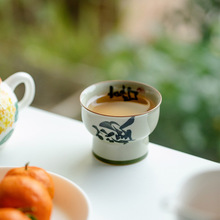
[21,77]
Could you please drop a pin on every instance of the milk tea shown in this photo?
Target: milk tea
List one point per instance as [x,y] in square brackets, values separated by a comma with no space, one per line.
[121,102]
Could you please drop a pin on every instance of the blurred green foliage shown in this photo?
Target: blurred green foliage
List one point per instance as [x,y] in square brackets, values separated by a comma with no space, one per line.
[187,75]
[56,36]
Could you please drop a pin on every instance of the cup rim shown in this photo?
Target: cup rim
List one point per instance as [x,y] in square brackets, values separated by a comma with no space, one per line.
[124,116]
[173,203]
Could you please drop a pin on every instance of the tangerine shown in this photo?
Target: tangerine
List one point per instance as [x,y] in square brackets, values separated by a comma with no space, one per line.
[37,173]
[12,214]
[26,194]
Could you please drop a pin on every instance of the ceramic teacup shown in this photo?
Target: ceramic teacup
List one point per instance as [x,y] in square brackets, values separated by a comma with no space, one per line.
[198,198]
[120,115]
[9,104]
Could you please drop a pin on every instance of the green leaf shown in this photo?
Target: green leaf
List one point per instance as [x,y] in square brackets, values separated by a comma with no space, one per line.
[31,217]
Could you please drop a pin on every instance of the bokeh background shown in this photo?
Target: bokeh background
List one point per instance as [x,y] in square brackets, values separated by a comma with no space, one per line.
[173,45]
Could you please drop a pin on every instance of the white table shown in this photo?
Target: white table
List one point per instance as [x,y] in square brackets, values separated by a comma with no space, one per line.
[63,145]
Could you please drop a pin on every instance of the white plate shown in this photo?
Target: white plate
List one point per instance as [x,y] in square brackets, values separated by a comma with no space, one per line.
[69,203]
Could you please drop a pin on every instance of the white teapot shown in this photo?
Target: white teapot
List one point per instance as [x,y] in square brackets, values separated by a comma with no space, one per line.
[9,104]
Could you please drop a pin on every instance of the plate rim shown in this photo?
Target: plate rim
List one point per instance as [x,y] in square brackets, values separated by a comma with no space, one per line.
[65,179]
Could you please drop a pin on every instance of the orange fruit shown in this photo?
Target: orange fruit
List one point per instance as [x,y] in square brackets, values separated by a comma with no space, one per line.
[37,173]
[12,214]
[26,194]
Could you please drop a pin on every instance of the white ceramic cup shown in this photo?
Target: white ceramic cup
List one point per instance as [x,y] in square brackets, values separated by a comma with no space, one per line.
[120,139]
[198,198]
[9,104]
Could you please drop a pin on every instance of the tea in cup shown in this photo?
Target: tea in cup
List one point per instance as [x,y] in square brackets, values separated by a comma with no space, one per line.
[10,106]
[120,115]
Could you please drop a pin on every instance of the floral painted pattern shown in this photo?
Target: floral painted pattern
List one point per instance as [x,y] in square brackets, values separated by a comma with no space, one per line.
[7,111]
